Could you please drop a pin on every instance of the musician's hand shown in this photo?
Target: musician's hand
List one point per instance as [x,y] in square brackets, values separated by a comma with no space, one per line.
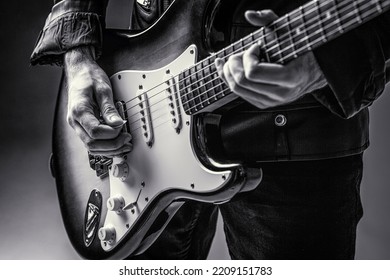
[90,96]
[267,85]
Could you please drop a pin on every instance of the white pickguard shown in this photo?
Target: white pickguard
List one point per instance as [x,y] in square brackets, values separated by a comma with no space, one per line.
[170,162]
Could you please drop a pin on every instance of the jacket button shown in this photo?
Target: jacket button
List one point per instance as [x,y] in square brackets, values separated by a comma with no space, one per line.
[280,120]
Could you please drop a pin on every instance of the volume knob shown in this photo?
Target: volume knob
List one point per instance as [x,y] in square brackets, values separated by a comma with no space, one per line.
[107,234]
[115,203]
[120,170]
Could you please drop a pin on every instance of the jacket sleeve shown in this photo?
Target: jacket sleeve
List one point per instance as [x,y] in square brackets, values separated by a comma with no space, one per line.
[355,66]
[70,24]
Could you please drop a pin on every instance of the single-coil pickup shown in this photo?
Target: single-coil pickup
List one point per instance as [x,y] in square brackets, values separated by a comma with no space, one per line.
[173,102]
[145,119]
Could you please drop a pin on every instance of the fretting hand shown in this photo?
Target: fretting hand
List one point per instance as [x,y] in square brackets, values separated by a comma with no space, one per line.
[267,85]
[89,96]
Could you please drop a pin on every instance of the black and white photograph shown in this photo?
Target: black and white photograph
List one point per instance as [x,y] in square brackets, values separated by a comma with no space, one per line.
[195,130]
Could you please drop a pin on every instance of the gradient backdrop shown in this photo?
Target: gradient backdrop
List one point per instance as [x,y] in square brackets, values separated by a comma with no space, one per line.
[30,221]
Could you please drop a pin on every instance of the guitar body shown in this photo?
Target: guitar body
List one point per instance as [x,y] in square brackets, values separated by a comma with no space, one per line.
[169,163]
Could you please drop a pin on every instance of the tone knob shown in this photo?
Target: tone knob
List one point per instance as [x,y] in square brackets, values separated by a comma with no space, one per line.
[107,234]
[115,203]
[120,170]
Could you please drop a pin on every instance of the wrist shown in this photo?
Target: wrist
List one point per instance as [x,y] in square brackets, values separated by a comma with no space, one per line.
[79,54]
[79,58]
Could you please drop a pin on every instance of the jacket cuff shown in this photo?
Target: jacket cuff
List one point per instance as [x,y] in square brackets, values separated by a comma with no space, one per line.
[354,67]
[70,24]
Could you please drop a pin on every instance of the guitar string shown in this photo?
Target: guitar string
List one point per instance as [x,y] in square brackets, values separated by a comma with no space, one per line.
[221,51]
[292,54]
[319,39]
[273,47]
[346,25]
[244,46]
[213,73]
[215,86]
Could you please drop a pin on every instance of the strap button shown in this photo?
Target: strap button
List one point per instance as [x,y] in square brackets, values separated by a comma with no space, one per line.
[280,120]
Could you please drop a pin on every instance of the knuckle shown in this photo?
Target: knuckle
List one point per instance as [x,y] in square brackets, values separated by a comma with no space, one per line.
[249,72]
[69,119]
[291,79]
[94,132]
[240,78]
[103,89]
[77,110]
[89,143]
[108,108]
[234,86]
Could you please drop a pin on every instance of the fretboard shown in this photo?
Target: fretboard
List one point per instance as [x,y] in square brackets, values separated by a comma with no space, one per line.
[290,36]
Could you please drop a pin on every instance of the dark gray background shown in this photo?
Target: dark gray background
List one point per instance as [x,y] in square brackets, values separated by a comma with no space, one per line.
[30,221]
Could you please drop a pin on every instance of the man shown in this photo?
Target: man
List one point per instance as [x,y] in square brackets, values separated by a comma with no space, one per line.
[308,129]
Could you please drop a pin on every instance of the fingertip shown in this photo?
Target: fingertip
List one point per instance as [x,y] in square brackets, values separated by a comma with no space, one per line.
[252,55]
[115,121]
[260,18]
[128,137]
[218,62]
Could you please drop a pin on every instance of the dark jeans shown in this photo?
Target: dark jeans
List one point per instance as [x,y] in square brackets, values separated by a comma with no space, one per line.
[301,210]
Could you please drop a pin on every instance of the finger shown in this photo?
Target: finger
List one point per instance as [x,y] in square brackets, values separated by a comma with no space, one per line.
[236,69]
[123,150]
[267,73]
[96,129]
[237,87]
[260,18]
[107,145]
[219,66]
[105,101]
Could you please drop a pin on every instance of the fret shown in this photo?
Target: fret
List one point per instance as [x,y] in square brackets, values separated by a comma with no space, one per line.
[314,30]
[378,4]
[276,49]
[187,96]
[199,84]
[284,43]
[326,10]
[321,24]
[306,38]
[337,17]
[303,29]
[266,55]
[247,41]
[296,31]
[357,11]
[290,38]
[228,51]
[208,68]
[236,46]
[191,93]
[255,36]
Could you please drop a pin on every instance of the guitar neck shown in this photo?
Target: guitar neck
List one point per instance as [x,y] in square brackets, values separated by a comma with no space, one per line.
[288,37]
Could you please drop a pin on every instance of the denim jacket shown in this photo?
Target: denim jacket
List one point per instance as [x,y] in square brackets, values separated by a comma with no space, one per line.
[331,122]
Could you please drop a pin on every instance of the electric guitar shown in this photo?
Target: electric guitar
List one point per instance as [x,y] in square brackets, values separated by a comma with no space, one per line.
[165,85]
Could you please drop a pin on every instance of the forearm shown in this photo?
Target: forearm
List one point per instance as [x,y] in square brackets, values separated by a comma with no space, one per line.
[355,67]
[71,24]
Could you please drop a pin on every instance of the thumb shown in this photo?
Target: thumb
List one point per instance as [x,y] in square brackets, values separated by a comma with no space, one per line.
[260,18]
[108,110]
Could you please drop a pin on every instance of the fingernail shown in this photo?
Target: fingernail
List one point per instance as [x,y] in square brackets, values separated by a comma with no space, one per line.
[120,125]
[115,118]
